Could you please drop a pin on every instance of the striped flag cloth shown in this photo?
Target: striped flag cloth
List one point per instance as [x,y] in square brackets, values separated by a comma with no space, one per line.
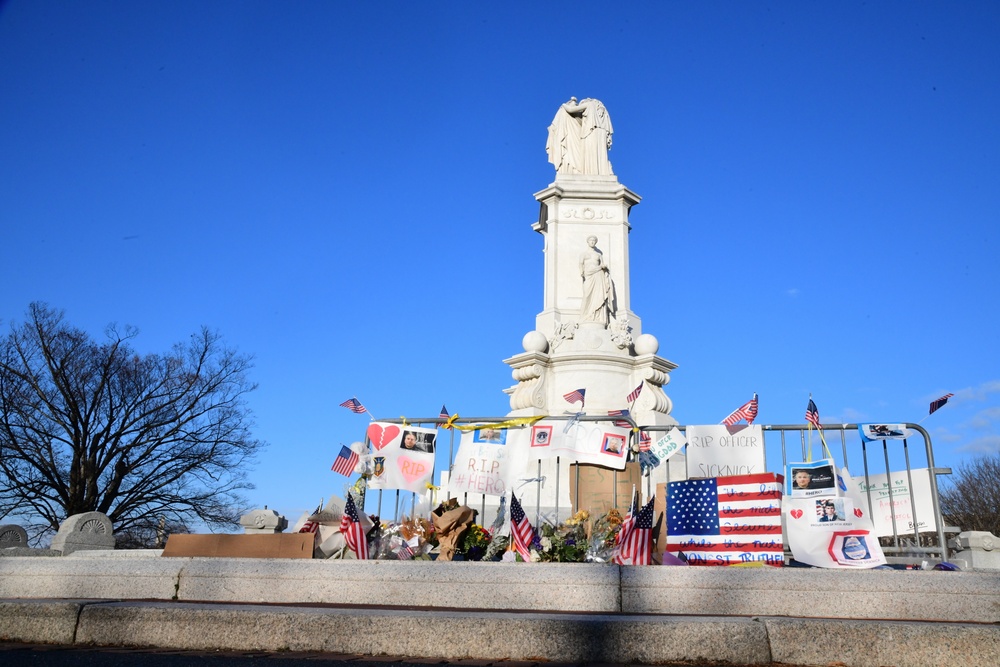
[312,525]
[575,395]
[645,440]
[620,422]
[354,405]
[746,411]
[939,403]
[726,520]
[353,531]
[634,546]
[634,395]
[812,414]
[405,552]
[345,462]
[521,531]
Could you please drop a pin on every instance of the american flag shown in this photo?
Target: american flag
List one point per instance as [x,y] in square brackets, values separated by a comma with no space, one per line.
[634,395]
[812,414]
[405,552]
[725,520]
[634,543]
[312,525]
[354,405]
[444,414]
[353,531]
[345,462]
[644,441]
[521,531]
[575,395]
[620,422]
[939,403]
[746,411]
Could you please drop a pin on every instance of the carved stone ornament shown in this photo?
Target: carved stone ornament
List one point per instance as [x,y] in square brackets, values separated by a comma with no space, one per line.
[621,333]
[563,331]
[89,530]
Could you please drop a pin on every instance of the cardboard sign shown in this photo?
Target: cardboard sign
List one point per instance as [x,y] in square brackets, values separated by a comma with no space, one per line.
[598,489]
[722,451]
[279,545]
[893,499]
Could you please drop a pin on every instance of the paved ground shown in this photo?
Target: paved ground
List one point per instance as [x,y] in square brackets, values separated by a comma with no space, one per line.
[41,655]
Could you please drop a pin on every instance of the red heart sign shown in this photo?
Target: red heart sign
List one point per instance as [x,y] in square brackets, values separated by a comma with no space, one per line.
[796,514]
[858,513]
[381,437]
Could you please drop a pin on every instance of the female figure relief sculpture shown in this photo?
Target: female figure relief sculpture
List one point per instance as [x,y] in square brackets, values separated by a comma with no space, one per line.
[598,290]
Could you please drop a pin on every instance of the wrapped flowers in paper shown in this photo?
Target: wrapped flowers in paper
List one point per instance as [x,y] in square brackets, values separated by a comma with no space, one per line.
[451,520]
[602,537]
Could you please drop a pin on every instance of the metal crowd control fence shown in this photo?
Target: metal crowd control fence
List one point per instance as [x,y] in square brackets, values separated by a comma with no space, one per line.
[787,443]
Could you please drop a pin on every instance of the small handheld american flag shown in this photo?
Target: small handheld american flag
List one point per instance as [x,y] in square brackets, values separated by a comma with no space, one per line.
[575,395]
[354,405]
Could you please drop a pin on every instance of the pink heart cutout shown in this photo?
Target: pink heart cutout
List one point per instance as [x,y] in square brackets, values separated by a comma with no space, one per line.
[796,514]
[381,437]
[858,513]
[412,469]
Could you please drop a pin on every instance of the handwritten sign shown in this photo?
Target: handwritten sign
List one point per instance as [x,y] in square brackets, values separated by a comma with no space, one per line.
[718,451]
[481,466]
[890,497]
[726,520]
[579,442]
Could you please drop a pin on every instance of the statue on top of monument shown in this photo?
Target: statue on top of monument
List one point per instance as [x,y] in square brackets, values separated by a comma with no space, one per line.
[598,290]
[579,138]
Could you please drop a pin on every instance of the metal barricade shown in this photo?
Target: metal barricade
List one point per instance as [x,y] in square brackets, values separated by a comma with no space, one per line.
[786,443]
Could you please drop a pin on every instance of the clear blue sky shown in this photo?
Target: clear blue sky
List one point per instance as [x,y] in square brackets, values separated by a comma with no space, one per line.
[344,190]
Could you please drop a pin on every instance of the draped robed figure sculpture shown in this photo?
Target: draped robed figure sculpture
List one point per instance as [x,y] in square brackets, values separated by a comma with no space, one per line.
[579,138]
[598,290]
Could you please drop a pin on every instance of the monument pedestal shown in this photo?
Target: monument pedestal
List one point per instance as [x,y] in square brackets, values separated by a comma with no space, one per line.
[584,221]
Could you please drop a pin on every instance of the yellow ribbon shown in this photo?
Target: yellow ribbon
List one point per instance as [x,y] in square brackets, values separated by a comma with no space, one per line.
[451,422]
[509,423]
[404,421]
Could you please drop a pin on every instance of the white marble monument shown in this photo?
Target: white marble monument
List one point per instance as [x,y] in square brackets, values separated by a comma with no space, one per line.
[586,336]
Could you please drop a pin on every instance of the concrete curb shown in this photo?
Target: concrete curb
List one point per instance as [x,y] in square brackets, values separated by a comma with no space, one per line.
[882,594]
[492,635]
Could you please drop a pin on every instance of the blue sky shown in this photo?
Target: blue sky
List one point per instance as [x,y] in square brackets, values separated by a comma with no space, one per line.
[344,190]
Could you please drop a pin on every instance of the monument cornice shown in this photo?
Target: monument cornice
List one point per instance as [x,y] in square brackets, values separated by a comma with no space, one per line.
[569,187]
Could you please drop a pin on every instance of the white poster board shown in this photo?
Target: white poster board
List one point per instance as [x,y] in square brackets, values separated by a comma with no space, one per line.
[723,451]
[485,463]
[574,442]
[890,495]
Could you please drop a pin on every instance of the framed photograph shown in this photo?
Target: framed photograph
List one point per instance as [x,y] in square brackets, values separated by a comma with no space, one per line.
[541,435]
[613,443]
[495,436]
[418,441]
[809,479]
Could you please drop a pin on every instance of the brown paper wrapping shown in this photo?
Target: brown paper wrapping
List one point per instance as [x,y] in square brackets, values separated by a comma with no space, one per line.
[450,524]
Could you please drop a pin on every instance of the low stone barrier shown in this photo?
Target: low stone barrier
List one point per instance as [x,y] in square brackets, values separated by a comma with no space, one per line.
[559,587]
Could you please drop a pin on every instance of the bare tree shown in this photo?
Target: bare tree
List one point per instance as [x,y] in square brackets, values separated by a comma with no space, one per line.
[972,500]
[94,426]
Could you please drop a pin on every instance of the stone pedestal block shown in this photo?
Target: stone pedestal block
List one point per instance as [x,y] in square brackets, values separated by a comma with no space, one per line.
[263,521]
[90,530]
